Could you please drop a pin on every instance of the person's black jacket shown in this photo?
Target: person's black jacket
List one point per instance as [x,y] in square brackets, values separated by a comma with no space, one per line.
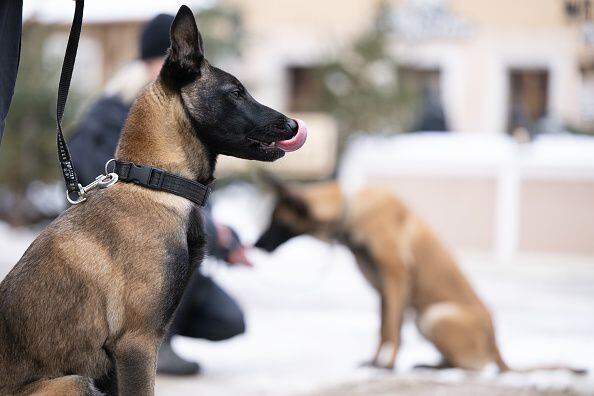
[96,137]
[10,51]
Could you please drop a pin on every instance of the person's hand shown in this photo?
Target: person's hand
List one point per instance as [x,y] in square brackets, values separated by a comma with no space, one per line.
[229,242]
[238,257]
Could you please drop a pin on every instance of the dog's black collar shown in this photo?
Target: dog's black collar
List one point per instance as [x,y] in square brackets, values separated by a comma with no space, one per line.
[158,179]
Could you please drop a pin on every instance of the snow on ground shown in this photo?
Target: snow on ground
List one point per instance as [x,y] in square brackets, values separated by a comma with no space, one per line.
[312,319]
[13,243]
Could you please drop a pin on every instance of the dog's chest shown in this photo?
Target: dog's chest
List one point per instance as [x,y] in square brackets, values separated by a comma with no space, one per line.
[183,258]
[364,260]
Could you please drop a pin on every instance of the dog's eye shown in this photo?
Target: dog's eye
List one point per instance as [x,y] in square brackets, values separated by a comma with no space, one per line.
[236,93]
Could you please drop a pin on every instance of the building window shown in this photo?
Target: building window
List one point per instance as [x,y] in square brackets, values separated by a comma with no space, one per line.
[305,88]
[528,99]
[422,88]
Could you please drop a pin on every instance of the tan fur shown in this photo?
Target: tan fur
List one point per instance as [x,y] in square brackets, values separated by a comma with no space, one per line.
[407,264]
[69,385]
[327,198]
[401,257]
[95,292]
[113,248]
[146,137]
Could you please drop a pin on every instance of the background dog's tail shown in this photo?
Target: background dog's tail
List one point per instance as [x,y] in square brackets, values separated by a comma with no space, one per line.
[503,367]
[574,370]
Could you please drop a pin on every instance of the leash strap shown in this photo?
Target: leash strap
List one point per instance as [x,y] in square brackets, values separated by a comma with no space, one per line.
[72,184]
[158,179]
[142,175]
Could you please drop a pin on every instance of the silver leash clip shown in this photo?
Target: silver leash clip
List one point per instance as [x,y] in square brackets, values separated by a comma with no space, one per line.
[102,181]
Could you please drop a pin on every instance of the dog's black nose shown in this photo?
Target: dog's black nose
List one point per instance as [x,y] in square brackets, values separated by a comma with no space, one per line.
[293,125]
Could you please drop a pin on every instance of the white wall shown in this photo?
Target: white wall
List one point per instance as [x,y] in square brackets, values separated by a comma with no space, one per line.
[461,169]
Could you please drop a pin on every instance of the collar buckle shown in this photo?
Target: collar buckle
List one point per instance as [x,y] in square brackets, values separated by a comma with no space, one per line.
[147,176]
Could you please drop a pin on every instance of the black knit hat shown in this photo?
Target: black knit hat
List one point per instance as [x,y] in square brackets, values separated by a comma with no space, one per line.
[154,39]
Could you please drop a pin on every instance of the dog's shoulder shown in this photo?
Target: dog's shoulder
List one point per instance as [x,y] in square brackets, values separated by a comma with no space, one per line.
[376,202]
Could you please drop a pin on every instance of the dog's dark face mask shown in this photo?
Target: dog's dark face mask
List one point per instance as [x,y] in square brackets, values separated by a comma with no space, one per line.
[290,218]
[226,118]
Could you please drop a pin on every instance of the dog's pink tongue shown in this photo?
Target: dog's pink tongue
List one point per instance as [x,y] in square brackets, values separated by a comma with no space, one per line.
[297,141]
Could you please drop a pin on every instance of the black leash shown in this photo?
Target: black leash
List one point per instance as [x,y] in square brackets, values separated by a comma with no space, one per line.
[128,172]
[72,184]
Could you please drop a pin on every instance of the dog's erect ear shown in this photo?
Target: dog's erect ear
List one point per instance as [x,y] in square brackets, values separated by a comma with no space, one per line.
[186,42]
[187,50]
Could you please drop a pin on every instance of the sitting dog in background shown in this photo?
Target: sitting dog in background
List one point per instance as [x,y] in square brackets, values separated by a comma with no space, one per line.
[86,307]
[402,259]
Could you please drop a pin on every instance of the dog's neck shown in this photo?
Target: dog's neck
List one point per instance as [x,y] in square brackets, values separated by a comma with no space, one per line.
[158,133]
[329,208]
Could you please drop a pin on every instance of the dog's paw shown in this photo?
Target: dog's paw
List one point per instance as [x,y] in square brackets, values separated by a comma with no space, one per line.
[438,366]
[425,367]
[368,363]
[377,365]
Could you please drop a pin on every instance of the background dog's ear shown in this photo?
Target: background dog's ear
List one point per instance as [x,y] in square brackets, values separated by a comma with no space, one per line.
[279,186]
[284,192]
[187,49]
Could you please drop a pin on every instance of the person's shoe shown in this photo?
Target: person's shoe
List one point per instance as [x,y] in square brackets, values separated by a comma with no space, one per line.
[168,362]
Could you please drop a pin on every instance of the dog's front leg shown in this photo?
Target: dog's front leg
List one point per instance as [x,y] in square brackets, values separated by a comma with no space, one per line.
[395,293]
[395,289]
[374,362]
[136,356]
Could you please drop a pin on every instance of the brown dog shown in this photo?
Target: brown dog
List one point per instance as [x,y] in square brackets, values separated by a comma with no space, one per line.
[85,308]
[402,259]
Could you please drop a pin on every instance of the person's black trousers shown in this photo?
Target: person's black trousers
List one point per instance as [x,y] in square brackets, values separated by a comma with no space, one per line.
[207,312]
[11,20]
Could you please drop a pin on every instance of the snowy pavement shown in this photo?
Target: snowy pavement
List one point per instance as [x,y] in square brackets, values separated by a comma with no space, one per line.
[312,319]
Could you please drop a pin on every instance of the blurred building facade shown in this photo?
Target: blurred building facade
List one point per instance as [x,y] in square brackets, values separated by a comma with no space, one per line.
[495,65]
[494,68]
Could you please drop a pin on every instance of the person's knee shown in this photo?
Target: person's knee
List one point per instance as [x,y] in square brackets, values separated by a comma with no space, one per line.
[229,327]
[214,316]
[237,325]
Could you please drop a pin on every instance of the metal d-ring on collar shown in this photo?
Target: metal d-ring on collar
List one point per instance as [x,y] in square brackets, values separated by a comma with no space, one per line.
[102,181]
